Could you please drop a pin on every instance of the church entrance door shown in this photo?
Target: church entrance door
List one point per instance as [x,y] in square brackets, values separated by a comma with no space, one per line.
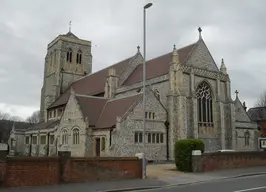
[98,147]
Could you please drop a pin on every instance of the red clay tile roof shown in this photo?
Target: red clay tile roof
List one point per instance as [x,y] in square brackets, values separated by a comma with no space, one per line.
[91,107]
[115,108]
[157,66]
[92,84]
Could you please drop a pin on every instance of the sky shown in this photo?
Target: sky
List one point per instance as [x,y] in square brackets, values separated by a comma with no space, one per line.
[232,29]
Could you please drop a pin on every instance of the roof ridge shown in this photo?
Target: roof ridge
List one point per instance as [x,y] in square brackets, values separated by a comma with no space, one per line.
[257,107]
[170,52]
[100,70]
[193,48]
[101,113]
[130,108]
[90,96]
[128,96]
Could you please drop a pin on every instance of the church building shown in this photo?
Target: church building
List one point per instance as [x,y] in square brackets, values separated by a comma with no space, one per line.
[101,113]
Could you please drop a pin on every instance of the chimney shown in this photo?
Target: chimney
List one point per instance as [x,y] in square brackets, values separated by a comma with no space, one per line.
[111,83]
[244,105]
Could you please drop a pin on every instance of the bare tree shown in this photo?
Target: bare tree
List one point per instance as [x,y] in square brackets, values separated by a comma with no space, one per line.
[261,102]
[5,116]
[16,118]
[34,118]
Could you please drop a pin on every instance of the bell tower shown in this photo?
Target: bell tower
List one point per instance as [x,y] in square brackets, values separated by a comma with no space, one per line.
[68,58]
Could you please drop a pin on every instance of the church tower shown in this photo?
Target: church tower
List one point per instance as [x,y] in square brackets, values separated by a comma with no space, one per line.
[68,58]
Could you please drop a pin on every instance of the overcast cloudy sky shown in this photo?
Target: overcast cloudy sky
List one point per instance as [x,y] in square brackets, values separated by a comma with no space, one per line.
[232,29]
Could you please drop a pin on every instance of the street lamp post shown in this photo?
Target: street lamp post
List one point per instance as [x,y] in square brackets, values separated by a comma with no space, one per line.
[144,86]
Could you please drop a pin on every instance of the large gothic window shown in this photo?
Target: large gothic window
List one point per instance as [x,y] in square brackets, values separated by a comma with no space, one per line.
[69,55]
[79,57]
[204,100]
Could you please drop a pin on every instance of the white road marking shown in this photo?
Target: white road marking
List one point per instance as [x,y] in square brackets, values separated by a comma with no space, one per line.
[251,189]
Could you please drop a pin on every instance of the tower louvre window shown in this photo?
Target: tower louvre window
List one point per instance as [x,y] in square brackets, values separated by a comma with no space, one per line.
[79,57]
[69,55]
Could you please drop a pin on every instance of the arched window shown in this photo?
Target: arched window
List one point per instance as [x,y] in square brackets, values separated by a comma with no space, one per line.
[204,100]
[247,136]
[157,93]
[79,57]
[64,137]
[69,55]
[75,134]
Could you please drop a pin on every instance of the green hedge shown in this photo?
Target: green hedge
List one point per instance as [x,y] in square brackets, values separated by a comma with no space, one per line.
[183,153]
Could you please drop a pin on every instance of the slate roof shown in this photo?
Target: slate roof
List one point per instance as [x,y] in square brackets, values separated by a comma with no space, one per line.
[91,107]
[6,127]
[6,124]
[158,66]
[43,125]
[257,113]
[115,108]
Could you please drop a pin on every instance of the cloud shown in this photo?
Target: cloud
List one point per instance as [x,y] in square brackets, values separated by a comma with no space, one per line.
[232,30]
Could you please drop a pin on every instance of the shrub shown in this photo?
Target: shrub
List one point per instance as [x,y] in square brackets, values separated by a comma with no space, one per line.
[183,153]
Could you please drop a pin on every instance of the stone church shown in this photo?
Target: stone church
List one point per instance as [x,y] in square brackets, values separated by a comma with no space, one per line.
[100,114]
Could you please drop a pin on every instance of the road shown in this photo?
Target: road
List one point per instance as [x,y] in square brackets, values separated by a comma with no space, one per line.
[243,184]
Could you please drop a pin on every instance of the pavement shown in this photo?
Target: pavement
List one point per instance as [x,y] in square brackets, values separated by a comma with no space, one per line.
[160,177]
[241,184]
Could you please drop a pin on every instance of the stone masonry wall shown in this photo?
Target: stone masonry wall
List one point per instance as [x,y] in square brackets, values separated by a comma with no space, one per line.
[201,58]
[73,118]
[211,139]
[123,135]
[160,83]
[240,140]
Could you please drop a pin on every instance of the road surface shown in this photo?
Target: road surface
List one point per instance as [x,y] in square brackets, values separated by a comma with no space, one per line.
[243,184]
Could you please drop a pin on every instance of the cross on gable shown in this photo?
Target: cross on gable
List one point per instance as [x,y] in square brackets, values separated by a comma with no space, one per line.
[200,30]
[236,92]
[70,26]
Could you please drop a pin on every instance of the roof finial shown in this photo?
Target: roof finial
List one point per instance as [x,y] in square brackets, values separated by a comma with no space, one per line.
[244,105]
[236,92]
[138,47]
[175,56]
[200,30]
[223,67]
[69,26]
